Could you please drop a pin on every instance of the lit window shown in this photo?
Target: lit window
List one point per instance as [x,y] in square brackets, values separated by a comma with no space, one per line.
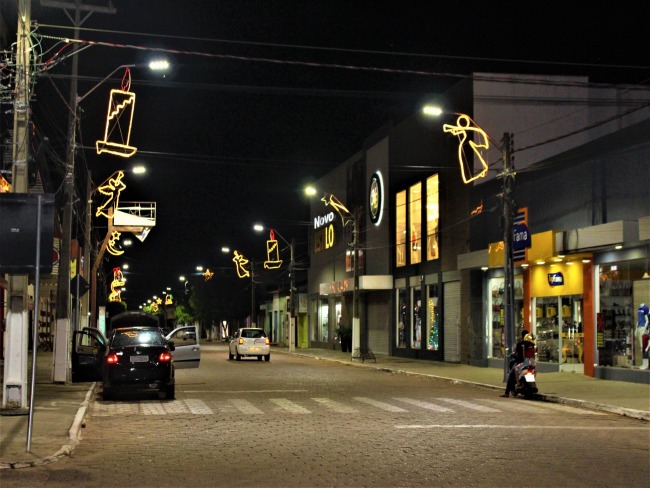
[400,228]
[415,214]
[433,216]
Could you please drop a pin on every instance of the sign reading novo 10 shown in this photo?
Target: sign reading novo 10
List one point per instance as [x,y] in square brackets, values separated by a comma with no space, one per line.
[324,232]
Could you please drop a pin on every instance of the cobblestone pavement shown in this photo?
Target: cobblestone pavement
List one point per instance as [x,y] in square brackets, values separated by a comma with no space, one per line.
[299,422]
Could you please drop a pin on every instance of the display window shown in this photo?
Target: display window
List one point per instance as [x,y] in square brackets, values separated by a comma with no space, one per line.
[620,322]
[402,314]
[433,319]
[496,314]
[418,313]
[433,215]
[400,228]
[415,217]
[323,320]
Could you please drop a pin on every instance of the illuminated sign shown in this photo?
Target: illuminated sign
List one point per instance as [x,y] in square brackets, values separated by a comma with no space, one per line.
[376,198]
[111,189]
[208,274]
[272,253]
[461,130]
[115,238]
[324,238]
[344,213]
[240,261]
[119,118]
[321,220]
[556,279]
[169,299]
[117,283]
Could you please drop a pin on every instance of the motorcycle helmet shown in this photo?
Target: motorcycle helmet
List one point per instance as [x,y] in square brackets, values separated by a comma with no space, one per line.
[529,338]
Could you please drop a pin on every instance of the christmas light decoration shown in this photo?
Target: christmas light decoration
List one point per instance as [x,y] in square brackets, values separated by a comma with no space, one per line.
[117,283]
[111,189]
[121,105]
[115,237]
[461,130]
[272,253]
[240,262]
[207,275]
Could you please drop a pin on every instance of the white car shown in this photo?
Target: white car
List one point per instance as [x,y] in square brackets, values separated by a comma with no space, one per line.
[250,341]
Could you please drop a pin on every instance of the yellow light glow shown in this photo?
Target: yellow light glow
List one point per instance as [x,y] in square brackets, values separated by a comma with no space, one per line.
[169,299]
[240,261]
[461,130]
[111,188]
[339,207]
[115,237]
[273,260]
[207,275]
[121,104]
[116,284]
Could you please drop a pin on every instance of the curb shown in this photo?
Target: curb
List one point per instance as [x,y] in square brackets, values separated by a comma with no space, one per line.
[626,412]
[66,449]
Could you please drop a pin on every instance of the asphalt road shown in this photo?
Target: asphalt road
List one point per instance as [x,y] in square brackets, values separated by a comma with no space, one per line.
[301,422]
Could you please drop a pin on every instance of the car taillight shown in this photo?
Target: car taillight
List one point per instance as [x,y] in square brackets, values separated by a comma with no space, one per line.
[267,341]
[164,357]
[241,340]
[112,358]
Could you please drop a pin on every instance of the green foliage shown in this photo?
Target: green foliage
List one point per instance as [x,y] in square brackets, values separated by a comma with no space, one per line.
[183,314]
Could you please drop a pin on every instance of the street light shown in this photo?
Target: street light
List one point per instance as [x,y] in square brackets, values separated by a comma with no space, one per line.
[462,131]
[292,324]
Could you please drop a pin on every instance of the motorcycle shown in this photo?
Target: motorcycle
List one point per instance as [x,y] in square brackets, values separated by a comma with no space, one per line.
[526,379]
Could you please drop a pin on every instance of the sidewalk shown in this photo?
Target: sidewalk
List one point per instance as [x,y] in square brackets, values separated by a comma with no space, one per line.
[59,409]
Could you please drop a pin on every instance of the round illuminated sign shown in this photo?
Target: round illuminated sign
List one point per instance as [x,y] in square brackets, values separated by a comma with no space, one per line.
[376,198]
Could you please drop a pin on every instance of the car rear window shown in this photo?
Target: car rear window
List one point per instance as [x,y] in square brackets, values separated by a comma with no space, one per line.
[253,334]
[137,338]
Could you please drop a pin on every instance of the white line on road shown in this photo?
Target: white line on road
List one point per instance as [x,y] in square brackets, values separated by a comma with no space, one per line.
[289,406]
[427,405]
[243,391]
[245,407]
[544,427]
[384,406]
[335,406]
[470,405]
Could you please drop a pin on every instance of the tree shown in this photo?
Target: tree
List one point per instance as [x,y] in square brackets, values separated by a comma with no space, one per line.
[183,314]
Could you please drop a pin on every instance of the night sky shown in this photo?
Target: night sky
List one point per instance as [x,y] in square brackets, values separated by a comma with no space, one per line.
[266,96]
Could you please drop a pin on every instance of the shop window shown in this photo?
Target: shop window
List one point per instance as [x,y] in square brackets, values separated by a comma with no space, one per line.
[433,319]
[415,218]
[324,321]
[402,318]
[546,328]
[433,215]
[400,228]
[496,314]
[418,312]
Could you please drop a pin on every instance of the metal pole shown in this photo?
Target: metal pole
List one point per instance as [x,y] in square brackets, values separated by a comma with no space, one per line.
[508,265]
[253,295]
[37,285]
[292,308]
[355,290]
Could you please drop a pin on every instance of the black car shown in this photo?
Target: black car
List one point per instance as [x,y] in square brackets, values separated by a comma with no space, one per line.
[138,358]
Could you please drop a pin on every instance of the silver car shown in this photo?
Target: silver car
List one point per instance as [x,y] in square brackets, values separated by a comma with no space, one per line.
[250,341]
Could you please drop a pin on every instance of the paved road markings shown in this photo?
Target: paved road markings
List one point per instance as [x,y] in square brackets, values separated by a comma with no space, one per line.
[384,406]
[568,409]
[335,406]
[516,406]
[198,407]
[245,407]
[517,427]
[426,405]
[470,405]
[288,405]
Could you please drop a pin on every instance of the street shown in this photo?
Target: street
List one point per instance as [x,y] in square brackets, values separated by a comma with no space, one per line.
[298,421]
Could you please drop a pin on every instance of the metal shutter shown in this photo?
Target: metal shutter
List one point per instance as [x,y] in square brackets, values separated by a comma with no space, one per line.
[378,303]
[451,324]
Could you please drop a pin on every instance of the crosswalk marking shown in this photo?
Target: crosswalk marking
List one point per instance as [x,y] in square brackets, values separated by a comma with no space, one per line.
[426,405]
[234,406]
[335,406]
[245,407]
[470,405]
[384,406]
[516,406]
[289,406]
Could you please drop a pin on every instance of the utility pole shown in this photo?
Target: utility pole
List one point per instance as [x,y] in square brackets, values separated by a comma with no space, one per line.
[17,337]
[356,322]
[508,264]
[292,307]
[61,372]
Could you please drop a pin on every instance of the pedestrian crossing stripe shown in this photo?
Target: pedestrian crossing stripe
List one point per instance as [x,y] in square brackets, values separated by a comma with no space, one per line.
[285,405]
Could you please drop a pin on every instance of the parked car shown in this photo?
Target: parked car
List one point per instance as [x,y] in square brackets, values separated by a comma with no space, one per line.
[89,347]
[138,358]
[250,341]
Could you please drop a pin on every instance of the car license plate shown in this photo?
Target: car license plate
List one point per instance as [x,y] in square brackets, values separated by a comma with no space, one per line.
[255,349]
[139,359]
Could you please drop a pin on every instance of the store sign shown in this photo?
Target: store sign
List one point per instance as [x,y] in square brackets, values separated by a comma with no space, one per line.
[520,237]
[321,220]
[556,279]
[376,198]
[324,238]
